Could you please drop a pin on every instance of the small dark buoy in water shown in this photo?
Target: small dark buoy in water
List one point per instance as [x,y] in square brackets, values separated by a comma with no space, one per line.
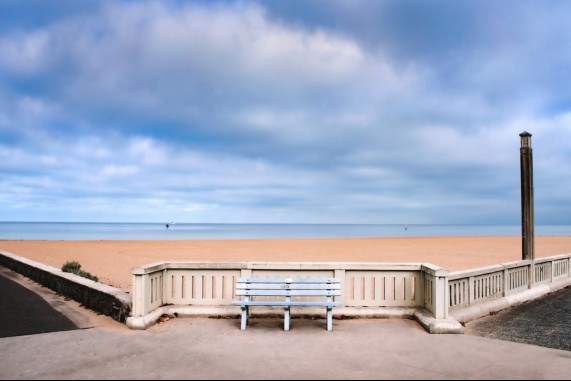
[406,227]
[168,226]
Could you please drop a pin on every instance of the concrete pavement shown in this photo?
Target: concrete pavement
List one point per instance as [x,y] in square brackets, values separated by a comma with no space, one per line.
[217,349]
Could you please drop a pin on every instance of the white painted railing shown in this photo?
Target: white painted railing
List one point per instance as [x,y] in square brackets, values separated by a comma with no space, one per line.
[366,288]
[543,272]
[467,288]
[561,269]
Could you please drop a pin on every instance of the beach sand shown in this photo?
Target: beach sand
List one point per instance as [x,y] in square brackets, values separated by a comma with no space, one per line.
[112,261]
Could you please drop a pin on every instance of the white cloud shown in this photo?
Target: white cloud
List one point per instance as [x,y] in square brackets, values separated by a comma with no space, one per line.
[189,181]
[119,170]
[25,53]
[225,109]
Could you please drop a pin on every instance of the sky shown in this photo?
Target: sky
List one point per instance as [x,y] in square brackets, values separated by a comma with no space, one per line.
[313,111]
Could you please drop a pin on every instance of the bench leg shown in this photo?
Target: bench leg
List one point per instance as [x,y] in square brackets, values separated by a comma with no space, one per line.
[286,318]
[245,314]
[329,318]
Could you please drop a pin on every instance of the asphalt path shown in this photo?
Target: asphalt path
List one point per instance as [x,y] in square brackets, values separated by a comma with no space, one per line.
[23,312]
[544,322]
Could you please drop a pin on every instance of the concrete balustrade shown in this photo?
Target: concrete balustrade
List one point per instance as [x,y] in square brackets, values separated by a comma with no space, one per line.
[367,289]
[477,293]
[436,298]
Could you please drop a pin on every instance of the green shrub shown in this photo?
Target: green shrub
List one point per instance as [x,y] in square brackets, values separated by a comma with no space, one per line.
[71,267]
[75,268]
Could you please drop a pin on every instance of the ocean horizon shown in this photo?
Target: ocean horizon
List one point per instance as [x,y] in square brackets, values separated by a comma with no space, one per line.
[204,231]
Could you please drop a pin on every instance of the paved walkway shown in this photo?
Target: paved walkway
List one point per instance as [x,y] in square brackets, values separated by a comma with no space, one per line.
[217,349]
[24,312]
[545,322]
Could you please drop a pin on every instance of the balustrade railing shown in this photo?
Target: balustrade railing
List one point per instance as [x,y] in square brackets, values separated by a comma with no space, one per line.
[470,287]
[213,284]
[365,287]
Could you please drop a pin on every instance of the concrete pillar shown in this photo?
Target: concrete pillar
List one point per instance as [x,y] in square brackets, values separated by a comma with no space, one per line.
[441,298]
[245,273]
[141,291]
[340,274]
[527,222]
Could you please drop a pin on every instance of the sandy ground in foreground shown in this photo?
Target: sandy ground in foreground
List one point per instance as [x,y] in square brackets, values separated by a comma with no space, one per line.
[112,261]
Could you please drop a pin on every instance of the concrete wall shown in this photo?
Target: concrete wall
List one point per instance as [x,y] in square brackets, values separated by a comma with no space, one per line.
[101,298]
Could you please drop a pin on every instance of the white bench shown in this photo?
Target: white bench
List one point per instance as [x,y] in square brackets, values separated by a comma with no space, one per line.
[287,288]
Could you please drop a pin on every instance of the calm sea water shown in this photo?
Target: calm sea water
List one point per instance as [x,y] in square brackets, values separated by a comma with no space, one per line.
[159,231]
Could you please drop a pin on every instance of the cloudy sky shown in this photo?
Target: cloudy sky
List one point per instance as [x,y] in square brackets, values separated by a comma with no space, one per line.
[283,111]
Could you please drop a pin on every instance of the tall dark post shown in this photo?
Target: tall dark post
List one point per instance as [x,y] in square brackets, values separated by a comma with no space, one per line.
[527,223]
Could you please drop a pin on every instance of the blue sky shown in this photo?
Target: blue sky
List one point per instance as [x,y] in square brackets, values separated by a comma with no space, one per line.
[283,111]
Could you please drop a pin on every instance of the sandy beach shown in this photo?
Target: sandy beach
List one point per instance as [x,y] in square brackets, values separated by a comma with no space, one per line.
[112,261]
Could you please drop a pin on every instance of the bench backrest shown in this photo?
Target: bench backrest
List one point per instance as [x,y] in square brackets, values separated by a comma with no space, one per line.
[288,287]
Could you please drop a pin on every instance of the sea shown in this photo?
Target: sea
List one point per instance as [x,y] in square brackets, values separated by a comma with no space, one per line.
[198,231]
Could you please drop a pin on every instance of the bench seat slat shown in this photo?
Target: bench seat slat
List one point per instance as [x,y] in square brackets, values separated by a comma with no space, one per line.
[288,293]
[285,304]
[286,286]
[282,280]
